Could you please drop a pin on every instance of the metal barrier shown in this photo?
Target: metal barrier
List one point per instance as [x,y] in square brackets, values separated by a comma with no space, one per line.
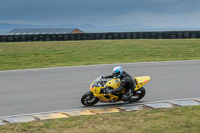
[99,36]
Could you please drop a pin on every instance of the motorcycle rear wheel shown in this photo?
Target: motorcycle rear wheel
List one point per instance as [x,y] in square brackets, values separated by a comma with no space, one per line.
[140,93]
[88,99]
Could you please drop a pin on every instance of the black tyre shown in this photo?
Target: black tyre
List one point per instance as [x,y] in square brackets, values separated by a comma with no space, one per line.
[139,94]
[88,99]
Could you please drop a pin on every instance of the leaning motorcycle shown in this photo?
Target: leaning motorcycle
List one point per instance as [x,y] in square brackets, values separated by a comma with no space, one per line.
[99,87]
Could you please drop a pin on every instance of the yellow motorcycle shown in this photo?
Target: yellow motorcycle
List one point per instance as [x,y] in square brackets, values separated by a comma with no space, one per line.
[99,87]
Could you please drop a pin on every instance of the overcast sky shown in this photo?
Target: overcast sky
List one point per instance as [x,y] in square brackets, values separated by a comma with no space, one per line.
[101,12]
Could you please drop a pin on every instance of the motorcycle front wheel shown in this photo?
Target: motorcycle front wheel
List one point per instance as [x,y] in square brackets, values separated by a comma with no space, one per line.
[88,99]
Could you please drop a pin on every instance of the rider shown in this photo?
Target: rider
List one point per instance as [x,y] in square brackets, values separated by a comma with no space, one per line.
[126,82]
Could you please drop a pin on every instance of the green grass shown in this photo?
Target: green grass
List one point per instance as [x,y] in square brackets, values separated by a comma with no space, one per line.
[175,120]
[23,55]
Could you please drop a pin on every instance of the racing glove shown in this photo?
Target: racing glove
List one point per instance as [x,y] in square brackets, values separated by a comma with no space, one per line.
[103,77]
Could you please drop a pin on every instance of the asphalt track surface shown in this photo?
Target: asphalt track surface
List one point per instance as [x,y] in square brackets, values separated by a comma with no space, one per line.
[42,90]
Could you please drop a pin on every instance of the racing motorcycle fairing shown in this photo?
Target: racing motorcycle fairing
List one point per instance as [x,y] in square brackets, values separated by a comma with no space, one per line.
[99,86]
[141,81]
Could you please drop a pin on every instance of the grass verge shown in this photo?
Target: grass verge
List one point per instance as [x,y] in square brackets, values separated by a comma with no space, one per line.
[174,120]
[22,55]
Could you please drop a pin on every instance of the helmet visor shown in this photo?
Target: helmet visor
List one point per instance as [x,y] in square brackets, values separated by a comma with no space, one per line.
[116,74]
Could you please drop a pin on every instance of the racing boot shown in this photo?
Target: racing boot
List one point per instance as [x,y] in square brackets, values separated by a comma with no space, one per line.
[128,94]
[133,97]
[125,98]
